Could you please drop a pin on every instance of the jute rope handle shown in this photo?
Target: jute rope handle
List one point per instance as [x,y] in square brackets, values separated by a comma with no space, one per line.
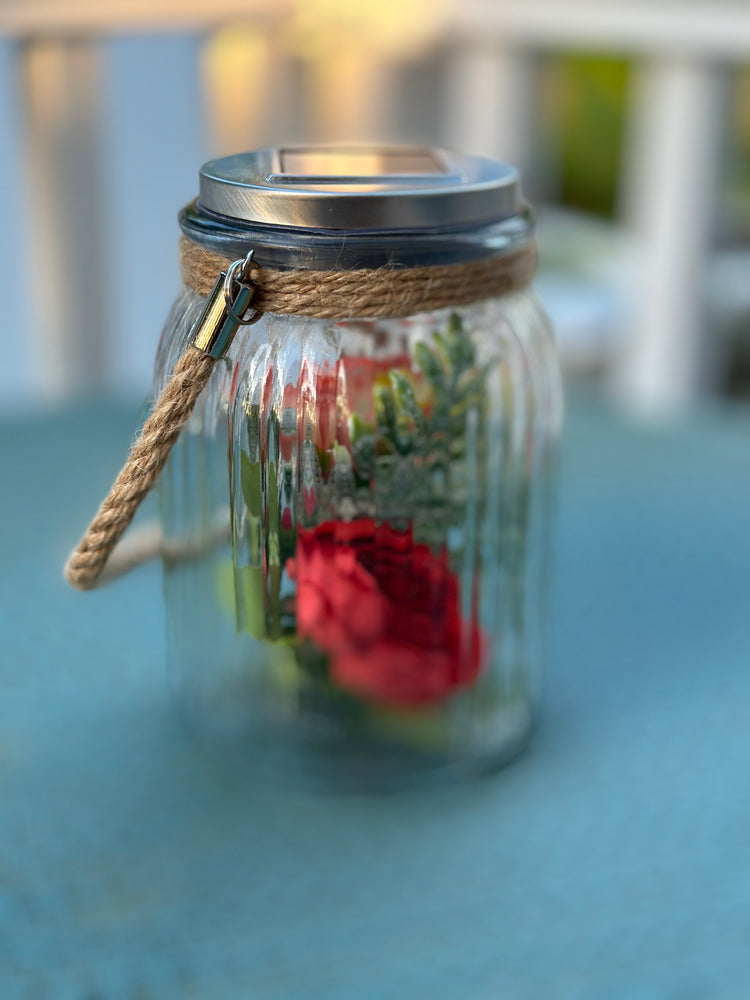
[355,294]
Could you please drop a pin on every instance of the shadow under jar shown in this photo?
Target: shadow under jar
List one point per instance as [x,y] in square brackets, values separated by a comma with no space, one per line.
[357,516]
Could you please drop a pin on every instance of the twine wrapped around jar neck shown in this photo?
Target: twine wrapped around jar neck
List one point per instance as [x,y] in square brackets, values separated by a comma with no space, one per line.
[367,293]
[352,294]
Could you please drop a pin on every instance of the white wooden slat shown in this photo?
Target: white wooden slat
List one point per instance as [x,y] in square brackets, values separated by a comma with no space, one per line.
[153,148]
[670,194]
[350,95]
[236,60]
[94,18]
[16,334]
[718,29]
[60,84]
[489,92]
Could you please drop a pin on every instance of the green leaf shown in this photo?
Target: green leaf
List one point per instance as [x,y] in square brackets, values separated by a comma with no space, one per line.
[443,350]
[470,385]
[455,326]
[363,455]
[274,595]
[224,576]
[250,481]
[385,414]
[406,402]
[358,427]
[250,597]
[284,669]
[429,365]
[459,345]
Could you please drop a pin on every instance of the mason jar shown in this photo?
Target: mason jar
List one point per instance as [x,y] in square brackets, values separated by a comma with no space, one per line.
[357,516]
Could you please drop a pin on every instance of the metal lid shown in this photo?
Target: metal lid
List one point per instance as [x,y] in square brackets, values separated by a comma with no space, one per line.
[359,187]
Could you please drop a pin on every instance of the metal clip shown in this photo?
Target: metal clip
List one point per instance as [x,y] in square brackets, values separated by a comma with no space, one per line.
[226,309]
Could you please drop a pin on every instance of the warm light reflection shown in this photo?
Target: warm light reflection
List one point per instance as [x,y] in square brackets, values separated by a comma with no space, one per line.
[319,29]
[236,70]
[347,49]
[356,163]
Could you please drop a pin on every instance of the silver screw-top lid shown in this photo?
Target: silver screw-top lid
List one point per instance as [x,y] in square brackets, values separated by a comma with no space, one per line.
[359,187]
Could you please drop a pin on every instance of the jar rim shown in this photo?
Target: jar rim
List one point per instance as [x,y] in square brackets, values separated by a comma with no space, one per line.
[359,187]
[290,247]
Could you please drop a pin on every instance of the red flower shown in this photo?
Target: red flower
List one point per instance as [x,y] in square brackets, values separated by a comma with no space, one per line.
[386,611]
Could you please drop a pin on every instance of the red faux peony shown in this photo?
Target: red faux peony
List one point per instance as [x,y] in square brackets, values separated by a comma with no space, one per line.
[386,611]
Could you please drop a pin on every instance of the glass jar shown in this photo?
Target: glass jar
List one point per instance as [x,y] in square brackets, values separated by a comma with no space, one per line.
[357,516]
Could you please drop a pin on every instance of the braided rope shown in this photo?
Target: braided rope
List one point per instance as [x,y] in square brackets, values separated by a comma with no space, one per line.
[367,293]
[143,465]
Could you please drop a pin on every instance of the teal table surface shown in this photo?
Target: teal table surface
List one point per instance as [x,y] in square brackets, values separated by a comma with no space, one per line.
[610,862]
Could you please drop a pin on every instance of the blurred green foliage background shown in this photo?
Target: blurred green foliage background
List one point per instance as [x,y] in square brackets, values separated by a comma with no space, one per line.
[583,111]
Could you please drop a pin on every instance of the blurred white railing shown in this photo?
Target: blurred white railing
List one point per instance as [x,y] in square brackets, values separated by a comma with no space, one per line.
[670,170]
[669,173]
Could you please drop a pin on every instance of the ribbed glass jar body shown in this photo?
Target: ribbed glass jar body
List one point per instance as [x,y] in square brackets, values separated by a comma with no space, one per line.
[357,524]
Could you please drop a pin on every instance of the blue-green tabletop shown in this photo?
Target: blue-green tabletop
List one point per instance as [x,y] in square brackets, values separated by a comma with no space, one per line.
[610,862]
